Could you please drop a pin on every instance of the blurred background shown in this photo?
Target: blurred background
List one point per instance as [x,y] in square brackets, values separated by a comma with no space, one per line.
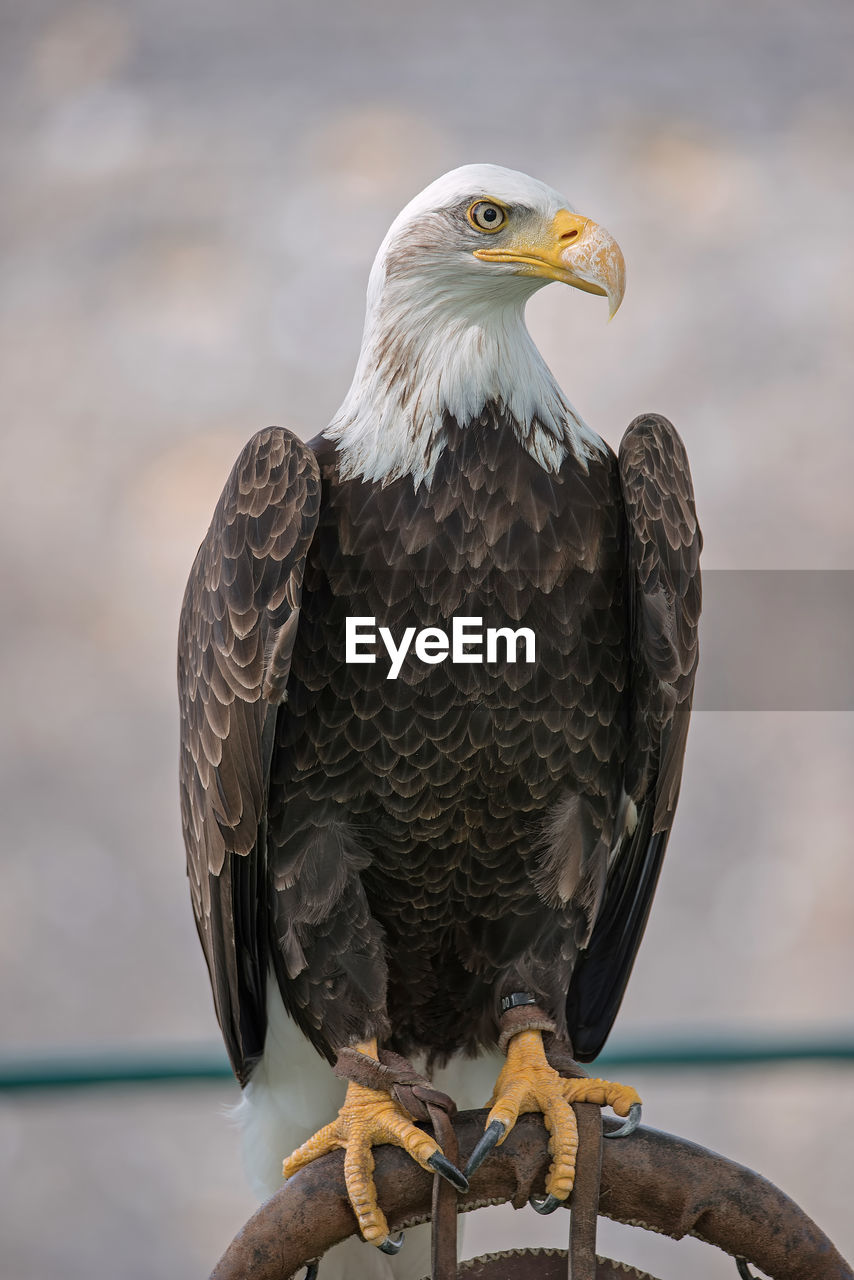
[192,198]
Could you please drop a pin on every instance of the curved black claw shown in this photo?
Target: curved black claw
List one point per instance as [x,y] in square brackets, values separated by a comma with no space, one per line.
[449,1171]
[492,1135]
[545,1206]
[744,1270]
[391,1246]
[629,1125]
[311,1271]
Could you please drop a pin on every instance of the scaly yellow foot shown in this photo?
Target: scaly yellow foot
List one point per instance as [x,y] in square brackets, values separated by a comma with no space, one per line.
[368,1118]
[528,1083]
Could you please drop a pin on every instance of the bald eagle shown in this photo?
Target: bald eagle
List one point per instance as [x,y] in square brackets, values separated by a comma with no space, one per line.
[439,849]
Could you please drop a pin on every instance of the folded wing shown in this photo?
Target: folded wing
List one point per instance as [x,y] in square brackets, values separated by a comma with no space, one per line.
[237,630]
[664,543]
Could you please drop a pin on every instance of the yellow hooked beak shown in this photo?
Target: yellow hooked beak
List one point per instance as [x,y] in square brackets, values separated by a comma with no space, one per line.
[574,250]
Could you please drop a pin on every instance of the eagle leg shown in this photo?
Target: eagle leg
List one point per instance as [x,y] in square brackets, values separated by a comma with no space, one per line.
[527,1082]
[368,1118]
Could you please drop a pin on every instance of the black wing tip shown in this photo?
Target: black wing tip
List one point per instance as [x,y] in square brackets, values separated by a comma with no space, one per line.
[602,974]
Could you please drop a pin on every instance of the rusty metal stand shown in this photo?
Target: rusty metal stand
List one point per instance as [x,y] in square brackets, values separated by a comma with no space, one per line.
[650,1179]
[540,1264]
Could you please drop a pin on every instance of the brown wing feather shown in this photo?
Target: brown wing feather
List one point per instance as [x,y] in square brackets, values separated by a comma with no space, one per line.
[664,544]
[237,630]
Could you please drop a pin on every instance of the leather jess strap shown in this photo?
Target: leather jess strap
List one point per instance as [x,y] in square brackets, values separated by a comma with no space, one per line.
[584,1199]
[396,1076]
[445,1201]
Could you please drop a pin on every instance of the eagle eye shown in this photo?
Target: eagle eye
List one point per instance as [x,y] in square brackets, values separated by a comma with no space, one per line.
[486,215]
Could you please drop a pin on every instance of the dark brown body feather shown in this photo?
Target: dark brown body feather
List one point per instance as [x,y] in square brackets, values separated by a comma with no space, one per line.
[403,852]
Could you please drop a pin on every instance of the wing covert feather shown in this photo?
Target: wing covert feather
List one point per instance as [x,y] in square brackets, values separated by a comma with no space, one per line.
[238,625]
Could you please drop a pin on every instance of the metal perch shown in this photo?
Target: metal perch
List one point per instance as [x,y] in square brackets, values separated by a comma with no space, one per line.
[650,1179]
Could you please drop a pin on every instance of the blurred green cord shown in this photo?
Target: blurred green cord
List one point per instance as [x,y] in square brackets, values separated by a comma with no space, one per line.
[66,1069]
[70,1069]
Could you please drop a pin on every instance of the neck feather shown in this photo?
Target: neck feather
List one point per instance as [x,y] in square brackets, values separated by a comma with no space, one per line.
[430,355]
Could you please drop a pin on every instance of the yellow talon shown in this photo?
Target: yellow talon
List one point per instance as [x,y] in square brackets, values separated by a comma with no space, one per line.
[368,1118]
[528,1083]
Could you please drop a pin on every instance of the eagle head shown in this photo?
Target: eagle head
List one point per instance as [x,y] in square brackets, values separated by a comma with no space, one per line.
[485,231]
[444,327]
